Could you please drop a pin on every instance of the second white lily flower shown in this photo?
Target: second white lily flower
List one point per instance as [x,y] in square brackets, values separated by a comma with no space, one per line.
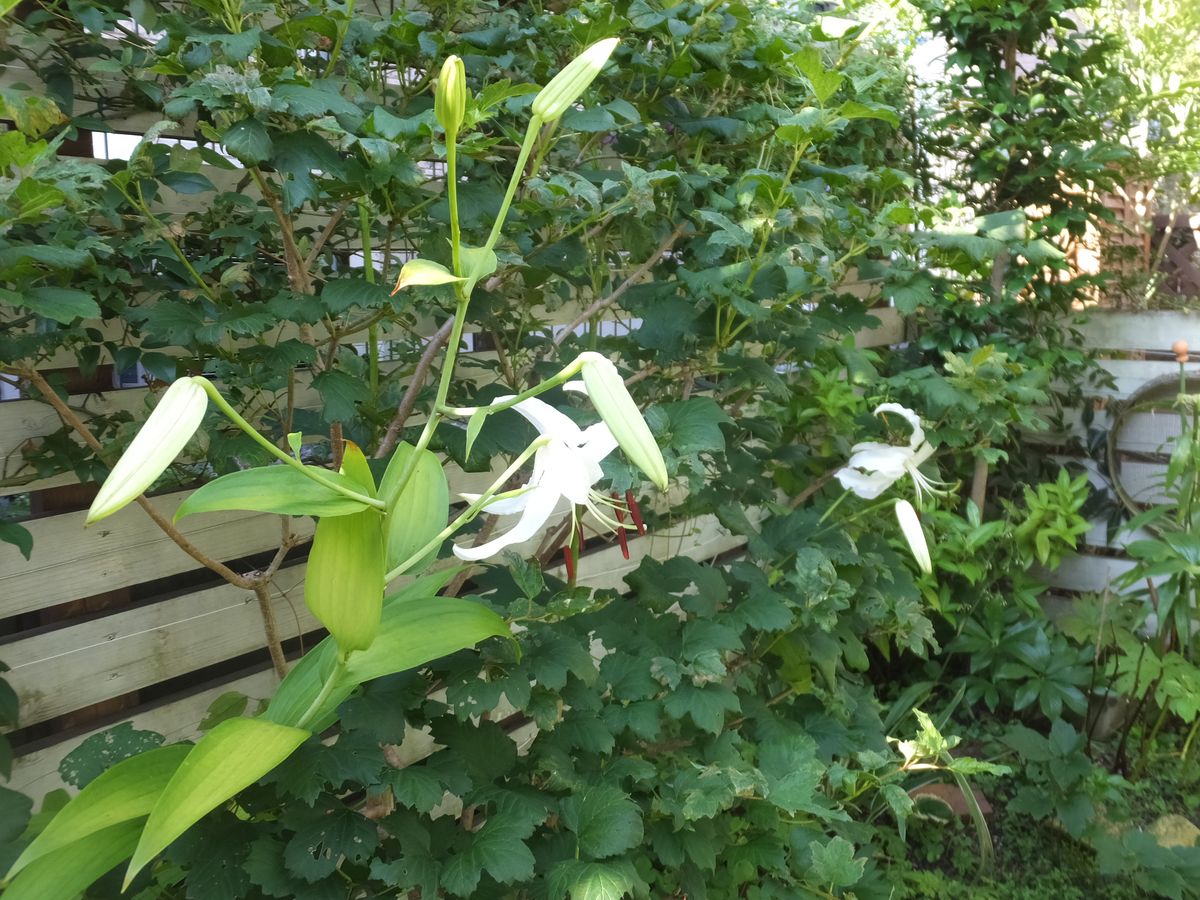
[874,467]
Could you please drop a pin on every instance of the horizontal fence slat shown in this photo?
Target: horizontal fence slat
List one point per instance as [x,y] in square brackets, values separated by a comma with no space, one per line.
[1154,331]
[60,671]
[36,773]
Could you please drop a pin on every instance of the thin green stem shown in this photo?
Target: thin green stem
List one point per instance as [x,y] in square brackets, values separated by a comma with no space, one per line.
[452,198]
[335,675]
[561,378]
[471,511]
[317,475]
[364,232]
[531,134]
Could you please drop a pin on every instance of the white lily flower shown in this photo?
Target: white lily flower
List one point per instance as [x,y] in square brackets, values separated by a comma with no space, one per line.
[910,525]
[567,466]
[874,467]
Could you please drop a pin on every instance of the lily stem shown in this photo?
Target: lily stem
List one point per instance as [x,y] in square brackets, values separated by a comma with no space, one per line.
[339,669]
[316,474]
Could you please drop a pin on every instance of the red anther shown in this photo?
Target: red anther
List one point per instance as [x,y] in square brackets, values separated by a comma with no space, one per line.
[618,509]
[569,562]
[623,542]
[635,512]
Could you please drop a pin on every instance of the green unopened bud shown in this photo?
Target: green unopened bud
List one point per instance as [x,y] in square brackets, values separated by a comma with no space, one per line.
[450,100]
[166,432]
[419,272]
[611,398]
[910,525]
[568,85]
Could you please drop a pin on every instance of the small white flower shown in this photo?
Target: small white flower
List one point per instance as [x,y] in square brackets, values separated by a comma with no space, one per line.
[910,525]
[874,467]
[567,466]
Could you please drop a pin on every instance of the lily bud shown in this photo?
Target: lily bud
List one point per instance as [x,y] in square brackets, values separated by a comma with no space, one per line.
[910,525]
[450,100]
[423,272]
[609,395]
[166,432]
[568,85]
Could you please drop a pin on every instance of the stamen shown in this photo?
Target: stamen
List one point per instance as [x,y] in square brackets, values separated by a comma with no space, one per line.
[635,512]
[569,562]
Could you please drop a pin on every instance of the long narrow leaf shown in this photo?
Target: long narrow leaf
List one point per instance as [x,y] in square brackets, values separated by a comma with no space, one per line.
[274,489]
[229,758]
[67,871]
[125,792]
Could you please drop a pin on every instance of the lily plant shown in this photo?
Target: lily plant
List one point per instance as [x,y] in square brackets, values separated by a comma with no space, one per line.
[873,467]
[368,534]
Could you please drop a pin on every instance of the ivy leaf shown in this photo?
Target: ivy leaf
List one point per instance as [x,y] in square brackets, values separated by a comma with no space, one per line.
[833,863]
[417,788]
[498,848]
[61,304]
[339,294]
[18,536]
[694,425]
[605,821]
[267,869]
[249,141]
[705,705]
[325,834]
[577,880]
[340,395]
[793,774]
[102,751]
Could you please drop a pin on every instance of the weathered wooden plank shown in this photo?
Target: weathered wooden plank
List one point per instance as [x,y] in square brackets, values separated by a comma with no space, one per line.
[1132,374]
[36,772]
[70,561]
[66,669]
[889,331]
[1155,331]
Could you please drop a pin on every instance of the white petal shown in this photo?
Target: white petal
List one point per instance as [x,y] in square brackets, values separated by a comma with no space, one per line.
[577,386]
[509,505]
[892,461]
[548,420]
[569,473]
[539,507]
[598,442]
[914,534]
[918,433]
[866,486]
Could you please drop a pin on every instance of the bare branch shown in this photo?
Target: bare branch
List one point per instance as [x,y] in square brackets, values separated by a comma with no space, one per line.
[420,373]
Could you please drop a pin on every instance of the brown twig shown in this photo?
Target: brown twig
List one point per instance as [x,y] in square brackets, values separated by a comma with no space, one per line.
[253,582]
[420,373]
[262,593]
[811,489]
[326,233]
[625,285]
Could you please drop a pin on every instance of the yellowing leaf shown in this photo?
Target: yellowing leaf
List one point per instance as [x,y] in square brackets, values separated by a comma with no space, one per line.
[228,759]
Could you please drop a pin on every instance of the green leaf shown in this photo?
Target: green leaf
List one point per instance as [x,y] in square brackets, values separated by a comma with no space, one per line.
[416,628]
[339,294]
[834,865]
[229,758]
[248,141]
[477,264]
[17,535]
[340,393]
[281,489]
[344,583]
[577,880]
[498,848]
[417,514]
[69,870]
[852,109]
[474,426]
[605,821]
[126,792]
[824,82]
[61,304]
[104,750]
[229,705]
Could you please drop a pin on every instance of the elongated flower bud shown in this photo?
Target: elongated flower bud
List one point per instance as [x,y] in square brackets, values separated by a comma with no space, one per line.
[450,100]
[568,85]
[423,272]
[910,525]
[608,394]
[166,432]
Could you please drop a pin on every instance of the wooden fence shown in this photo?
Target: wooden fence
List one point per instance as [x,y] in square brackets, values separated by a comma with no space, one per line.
[1135,349]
